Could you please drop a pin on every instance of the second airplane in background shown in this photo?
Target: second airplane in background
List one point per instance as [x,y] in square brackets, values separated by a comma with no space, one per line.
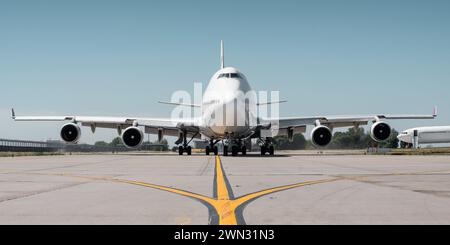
[425,135]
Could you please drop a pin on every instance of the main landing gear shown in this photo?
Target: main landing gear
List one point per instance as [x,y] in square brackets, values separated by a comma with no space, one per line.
[267,147]
[185,147]
[236,147]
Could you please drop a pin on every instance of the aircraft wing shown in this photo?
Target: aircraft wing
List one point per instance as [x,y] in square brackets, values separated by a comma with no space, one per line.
[152,125]
[341,121]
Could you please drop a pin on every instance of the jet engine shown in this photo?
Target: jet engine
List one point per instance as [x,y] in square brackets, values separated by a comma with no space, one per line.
[70,133]
[132,137]
[321,135]
[380,131]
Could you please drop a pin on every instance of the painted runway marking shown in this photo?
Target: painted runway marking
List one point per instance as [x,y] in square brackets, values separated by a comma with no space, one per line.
[224,208]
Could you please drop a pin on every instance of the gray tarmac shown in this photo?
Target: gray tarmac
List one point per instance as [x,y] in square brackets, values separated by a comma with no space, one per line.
[357,189]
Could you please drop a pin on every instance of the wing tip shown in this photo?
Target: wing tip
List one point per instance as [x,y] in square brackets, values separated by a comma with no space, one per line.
[13,113]
[435,111]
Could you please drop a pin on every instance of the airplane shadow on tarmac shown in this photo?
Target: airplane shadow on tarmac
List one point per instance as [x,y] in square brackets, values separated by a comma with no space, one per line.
[199,154]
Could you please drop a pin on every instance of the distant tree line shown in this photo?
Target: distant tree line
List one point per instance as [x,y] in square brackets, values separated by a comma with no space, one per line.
[353,138]
[116,142]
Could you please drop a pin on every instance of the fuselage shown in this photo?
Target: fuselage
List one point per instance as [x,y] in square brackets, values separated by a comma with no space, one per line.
[426,135]
[226,111]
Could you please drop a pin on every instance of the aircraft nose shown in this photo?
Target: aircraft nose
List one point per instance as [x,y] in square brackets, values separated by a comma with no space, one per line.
[405,138]
[401,137]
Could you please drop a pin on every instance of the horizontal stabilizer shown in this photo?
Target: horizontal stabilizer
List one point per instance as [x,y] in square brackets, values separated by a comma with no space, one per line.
[272,102]
[179,104]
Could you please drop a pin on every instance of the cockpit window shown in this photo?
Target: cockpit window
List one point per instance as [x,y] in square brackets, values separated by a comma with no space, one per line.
[230,75]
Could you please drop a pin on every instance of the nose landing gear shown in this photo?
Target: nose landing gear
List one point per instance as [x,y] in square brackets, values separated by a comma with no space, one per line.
[236,147]
[212,148]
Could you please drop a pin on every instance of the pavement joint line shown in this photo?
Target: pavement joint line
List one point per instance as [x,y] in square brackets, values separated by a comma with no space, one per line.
[33,193]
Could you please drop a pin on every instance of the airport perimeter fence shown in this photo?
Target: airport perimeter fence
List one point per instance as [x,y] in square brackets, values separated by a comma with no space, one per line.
[8,145]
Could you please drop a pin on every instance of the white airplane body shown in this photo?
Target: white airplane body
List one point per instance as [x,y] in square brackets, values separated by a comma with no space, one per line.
[225,90]
[426,135]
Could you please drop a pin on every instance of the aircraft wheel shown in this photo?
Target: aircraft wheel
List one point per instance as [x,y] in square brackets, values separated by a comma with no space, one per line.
[180,150]
[225,150]
[189,150]
[244,150]
[263,150]
[207,150]
[216,150]
[271,150]
[234,150]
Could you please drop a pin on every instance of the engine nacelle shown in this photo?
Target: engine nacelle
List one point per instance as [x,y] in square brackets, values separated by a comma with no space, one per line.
[321,136]
[70,133]
[132,137]
[380,131]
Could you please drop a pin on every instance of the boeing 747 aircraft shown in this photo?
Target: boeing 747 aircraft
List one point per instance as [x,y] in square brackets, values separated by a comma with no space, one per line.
[425,135]
[224,90]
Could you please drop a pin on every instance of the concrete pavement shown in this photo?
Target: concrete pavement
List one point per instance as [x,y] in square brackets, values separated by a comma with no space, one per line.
[172,189]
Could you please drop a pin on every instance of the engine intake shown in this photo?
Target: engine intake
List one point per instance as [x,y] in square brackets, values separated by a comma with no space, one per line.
[132,137]
[380,131]
[70,133]
[321,136]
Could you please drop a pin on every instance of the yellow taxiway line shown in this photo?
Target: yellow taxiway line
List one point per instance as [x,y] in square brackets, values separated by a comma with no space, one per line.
[223,203]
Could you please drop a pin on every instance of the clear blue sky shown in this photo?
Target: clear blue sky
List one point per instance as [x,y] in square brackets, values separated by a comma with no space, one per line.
[120,57]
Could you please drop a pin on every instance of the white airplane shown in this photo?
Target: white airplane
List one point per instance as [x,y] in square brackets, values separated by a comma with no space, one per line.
[223,89]
[425,135]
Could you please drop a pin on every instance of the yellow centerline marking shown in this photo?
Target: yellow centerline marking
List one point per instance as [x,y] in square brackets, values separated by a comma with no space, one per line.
[224,205]
[222,190]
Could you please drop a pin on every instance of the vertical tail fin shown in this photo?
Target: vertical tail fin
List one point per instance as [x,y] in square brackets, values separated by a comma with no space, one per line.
[222,58]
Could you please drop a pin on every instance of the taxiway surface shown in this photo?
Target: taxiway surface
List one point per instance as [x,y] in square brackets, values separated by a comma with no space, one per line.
[172,189]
